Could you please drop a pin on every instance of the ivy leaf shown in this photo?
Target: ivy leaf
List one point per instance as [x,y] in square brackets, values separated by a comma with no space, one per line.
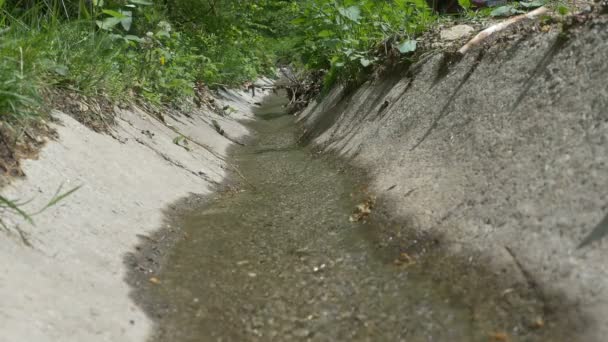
[407,46]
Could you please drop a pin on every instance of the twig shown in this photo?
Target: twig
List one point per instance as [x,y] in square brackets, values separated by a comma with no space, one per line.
[483,35]
[530,280]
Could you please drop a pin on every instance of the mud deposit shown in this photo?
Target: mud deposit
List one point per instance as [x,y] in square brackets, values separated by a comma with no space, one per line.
[277,259]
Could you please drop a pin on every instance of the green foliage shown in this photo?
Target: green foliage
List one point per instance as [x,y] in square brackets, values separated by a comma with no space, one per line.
[18,95]
[516,8]
[563,10]
[466,4]
[16,207]
[343,36]
[160,51]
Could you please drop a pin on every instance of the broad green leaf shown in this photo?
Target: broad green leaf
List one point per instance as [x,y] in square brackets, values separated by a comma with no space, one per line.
[162,33]
[407,46]
[563,10]
[107,23]
[141,2]
[532,4]
[127,20]
[298,21]
[466,4]
[501,11]
[505,11]
[115,36]
[133,38]
[61,70]
[336,62]
[352,13]
[115,14]
[365,62]
[325,34]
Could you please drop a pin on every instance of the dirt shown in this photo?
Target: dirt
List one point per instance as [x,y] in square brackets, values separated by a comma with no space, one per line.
[21,141]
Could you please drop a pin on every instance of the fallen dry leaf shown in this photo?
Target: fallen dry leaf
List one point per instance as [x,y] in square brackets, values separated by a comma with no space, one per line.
[499,336]
[538,323]
[404,260]
[363,210]
[154,280]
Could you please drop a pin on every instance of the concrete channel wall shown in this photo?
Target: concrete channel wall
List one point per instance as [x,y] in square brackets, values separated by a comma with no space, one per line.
[69,284]
[503,153]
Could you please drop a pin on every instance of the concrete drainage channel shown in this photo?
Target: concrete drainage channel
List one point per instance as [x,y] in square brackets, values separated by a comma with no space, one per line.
[497,162]
[287,256]
[68,283]
[482,176]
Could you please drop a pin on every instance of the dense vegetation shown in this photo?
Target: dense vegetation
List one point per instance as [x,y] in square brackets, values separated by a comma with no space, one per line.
[159,51]
[63,52]
[162,51]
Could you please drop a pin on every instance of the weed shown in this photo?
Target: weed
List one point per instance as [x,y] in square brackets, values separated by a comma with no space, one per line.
[16,207]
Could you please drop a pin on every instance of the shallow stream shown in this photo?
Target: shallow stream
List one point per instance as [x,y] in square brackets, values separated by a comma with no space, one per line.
[277,258]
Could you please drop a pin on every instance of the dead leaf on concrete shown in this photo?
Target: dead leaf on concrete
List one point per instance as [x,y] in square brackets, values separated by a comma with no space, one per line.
[154,280]
[363,210]
[538,323]
[499,337]
[404,259]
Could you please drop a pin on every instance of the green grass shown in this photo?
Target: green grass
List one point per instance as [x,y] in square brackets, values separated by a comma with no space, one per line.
[15,207]
[57,45]
[19,90]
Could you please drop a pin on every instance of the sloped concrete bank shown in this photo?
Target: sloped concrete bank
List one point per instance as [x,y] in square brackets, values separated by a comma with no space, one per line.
[502,155]
[69,284]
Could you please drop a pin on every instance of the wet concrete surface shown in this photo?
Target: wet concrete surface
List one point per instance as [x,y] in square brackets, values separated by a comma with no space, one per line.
[276,258]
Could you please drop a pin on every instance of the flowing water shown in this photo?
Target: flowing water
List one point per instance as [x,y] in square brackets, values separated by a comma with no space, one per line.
[277,259]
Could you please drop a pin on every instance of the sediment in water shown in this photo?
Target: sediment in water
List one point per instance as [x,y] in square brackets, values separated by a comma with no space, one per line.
[277,258]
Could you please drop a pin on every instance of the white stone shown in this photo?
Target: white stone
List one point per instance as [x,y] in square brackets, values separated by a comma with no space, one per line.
[456,32]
